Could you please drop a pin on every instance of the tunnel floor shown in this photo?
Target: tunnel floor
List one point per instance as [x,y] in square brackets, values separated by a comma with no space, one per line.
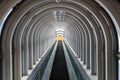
[59,69]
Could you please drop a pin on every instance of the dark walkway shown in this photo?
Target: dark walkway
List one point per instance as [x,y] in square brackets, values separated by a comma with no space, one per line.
[59,69]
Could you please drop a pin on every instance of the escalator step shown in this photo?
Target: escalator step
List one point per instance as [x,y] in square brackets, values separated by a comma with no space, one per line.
[59,69]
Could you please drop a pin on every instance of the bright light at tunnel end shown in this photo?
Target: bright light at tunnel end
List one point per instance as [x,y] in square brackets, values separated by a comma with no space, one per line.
[60,34]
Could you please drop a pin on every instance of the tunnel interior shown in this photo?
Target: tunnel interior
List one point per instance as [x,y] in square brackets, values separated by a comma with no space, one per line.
[32,27]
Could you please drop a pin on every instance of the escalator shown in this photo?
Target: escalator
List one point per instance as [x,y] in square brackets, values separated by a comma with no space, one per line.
[59,69]
[58,63]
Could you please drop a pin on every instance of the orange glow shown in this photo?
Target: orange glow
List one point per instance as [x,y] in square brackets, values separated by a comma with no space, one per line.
[60,38]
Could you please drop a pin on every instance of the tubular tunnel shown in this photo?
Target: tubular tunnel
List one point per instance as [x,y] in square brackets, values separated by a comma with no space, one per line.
[41,37]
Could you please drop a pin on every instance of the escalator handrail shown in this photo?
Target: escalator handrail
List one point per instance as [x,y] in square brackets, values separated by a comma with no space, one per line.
[76,64]
[47,72]
[70,68]
[38,71]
